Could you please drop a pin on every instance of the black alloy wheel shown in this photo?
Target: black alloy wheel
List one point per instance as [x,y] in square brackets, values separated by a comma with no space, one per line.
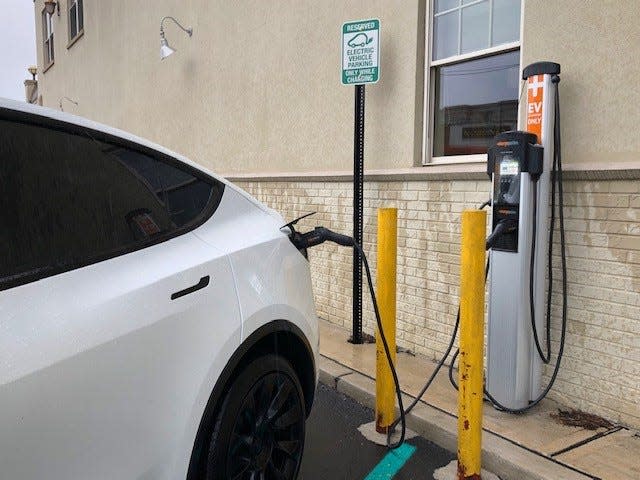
[259,434]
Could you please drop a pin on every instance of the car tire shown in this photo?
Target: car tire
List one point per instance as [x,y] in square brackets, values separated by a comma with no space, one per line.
[260,427]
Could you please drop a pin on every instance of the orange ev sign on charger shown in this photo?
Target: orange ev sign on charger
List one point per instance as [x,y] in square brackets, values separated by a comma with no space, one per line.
[535,91]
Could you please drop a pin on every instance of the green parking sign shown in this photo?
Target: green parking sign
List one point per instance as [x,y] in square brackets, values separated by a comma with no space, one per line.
[360,52]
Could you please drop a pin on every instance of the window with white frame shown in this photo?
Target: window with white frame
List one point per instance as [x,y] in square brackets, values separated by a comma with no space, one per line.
[474,74]
[47,38]
[76,20]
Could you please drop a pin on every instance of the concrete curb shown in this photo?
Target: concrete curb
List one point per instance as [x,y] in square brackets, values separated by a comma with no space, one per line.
[500,456]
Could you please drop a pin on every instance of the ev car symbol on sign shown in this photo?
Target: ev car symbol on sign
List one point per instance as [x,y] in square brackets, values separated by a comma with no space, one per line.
[360,52]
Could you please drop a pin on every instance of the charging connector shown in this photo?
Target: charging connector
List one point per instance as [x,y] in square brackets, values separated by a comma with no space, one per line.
[502,227]
[318,236]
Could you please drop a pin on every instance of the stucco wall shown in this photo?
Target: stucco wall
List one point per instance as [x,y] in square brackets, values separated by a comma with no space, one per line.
[601,362]
[597,44]
[257,87]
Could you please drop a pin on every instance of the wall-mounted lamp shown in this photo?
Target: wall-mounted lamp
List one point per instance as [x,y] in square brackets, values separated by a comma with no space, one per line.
[51,6]
[68,99]
[33,70]
[165,49]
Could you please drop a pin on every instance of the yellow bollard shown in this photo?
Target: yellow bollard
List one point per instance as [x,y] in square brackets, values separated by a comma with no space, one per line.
[386,295]
[470,375]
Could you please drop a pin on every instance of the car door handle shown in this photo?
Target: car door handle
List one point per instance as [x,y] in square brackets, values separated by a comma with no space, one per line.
[204,281]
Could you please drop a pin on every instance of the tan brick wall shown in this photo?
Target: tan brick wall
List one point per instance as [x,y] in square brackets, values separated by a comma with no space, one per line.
[601,366]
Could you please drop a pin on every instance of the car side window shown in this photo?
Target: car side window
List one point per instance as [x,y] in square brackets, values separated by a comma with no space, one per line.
[69,200]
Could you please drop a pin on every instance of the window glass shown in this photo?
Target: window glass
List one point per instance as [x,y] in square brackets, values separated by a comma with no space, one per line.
[47,38]
[473,25]
[475,32]
[506,21]
[443,5]
[474,101]
[80,15]
[73,21]
[184,195]
[445,35]
[75,18]
[69,200]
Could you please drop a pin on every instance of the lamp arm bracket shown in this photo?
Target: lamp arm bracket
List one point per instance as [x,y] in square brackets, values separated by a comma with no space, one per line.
[188,30]
[68,99]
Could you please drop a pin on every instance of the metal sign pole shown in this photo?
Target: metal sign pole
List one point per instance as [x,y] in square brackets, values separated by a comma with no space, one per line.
[360,65]
[358,174]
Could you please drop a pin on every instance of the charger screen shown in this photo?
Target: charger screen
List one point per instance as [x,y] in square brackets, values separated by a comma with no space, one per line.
[508,166]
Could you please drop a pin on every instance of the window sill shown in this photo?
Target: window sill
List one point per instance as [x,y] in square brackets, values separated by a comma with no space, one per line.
[48,66]
[504,47]
[457,159]
[75,39]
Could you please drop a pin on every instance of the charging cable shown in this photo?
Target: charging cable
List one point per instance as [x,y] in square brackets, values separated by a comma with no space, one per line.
[320,235]
[396,382]
[545,357]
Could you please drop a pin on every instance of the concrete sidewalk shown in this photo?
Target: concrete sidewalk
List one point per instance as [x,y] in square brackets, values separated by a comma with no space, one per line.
[515,447]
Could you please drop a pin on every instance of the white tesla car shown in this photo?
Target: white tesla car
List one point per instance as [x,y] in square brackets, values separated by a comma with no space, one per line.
[155,321]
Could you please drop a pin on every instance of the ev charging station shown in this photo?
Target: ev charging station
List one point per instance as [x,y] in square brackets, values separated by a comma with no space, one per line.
[520,165]
[525,168]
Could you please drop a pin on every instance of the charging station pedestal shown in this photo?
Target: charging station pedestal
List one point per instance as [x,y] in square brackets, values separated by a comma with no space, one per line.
[514,368]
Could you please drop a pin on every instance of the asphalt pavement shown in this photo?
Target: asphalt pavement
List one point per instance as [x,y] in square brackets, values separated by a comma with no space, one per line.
[335,449]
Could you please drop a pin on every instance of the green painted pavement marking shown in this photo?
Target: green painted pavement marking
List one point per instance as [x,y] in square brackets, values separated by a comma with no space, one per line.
[391,463]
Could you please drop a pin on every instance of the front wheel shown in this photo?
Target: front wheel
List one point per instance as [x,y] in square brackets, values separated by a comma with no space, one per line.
[259,430]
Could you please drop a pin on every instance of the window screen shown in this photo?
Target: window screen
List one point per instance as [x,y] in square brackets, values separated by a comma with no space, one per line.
[69,200]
